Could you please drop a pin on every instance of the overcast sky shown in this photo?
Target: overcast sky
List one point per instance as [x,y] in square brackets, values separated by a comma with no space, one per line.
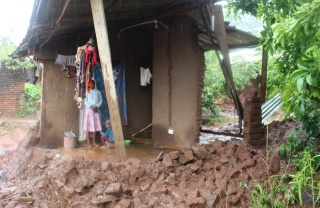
[14,19]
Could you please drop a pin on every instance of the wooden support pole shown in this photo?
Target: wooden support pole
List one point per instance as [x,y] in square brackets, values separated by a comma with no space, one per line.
[100,26]
[215,12]
[264,69]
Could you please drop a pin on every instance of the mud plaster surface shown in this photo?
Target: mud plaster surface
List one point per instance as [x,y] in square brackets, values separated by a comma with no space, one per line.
[211,175]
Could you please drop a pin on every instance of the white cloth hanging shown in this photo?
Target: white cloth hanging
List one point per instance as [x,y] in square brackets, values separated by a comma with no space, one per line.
[145,76]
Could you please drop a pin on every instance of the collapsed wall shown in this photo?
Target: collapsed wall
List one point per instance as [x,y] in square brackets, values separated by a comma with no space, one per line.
[19,162]
[213,175]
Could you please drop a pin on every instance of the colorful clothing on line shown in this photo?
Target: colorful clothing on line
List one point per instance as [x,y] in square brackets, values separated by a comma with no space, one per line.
[92,120]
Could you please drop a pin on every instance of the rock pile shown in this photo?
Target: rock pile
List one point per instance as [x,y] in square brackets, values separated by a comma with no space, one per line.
[213,175]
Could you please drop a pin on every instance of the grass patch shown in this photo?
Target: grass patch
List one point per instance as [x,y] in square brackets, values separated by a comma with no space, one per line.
[10,127]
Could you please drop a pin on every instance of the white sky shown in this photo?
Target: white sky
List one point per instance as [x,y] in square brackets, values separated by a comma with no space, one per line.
[14,19]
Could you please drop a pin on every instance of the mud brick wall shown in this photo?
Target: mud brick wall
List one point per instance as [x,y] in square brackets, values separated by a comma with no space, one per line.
[12,88]
[254,131]
[178,67]
[200,103]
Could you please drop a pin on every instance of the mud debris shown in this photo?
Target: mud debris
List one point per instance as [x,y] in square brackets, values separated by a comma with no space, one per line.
[202,176]
[211,175]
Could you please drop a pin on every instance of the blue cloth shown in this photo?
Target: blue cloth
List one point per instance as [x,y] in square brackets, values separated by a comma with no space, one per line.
[120,81]
[108,133]
[120,84]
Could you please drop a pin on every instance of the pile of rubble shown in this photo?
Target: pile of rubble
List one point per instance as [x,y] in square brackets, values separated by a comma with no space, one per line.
[220,174]
[212,175]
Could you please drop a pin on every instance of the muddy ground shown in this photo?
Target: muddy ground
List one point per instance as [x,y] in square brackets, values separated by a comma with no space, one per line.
[219,174]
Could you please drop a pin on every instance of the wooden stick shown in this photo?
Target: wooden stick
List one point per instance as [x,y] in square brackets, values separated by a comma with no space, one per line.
[142,130]
[263,86]
[100,26]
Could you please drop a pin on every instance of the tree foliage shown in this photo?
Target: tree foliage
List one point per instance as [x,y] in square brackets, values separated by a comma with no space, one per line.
[7,47]
[292,36]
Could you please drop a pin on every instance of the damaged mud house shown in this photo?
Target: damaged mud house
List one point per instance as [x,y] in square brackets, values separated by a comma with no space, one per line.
[166,37]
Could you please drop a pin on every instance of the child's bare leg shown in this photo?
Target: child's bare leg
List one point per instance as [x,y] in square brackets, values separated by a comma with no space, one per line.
[102,140]
[88,138]
[94,138]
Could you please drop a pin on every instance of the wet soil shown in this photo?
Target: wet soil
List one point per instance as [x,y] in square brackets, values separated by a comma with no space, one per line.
[217,174]
[140,151]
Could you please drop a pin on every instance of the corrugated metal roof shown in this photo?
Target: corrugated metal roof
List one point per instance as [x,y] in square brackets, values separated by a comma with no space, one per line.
[52,19]
[235,38]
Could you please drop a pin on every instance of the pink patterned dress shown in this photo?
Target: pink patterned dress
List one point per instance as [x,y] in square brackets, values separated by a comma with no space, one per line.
[92,120]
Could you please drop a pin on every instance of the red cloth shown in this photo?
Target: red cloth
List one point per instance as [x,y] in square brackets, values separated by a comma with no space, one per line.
[91,56]
[105,139]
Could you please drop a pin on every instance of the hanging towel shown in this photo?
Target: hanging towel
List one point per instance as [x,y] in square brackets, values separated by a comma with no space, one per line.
[66,60]
[145,76]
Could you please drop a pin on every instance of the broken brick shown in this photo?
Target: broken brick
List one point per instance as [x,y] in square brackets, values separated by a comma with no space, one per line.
[114,189]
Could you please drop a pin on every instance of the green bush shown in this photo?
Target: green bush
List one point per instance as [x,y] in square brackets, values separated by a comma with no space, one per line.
[32,92]
[290,189]
[33,95]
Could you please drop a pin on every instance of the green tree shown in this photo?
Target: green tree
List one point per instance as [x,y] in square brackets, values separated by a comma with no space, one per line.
[7,47]
[292,36]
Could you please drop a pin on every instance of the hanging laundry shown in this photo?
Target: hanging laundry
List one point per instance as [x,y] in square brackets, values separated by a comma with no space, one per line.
[79,54]
[145,76]
[85,61]
[71,71]
[81,77]
[91,60]
[66,60]
[91,54]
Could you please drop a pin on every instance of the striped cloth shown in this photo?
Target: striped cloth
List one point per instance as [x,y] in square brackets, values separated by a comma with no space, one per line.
[92,120]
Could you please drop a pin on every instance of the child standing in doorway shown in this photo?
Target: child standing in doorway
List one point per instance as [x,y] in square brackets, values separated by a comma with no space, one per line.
[107,136]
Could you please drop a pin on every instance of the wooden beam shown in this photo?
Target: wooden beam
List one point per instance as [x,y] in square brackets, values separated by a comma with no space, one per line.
[220,133]
[263,86]
[58,22]
[101,30]
[215,12]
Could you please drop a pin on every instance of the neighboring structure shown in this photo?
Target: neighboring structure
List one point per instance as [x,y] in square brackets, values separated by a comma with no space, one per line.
[12,89]
[167,36]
